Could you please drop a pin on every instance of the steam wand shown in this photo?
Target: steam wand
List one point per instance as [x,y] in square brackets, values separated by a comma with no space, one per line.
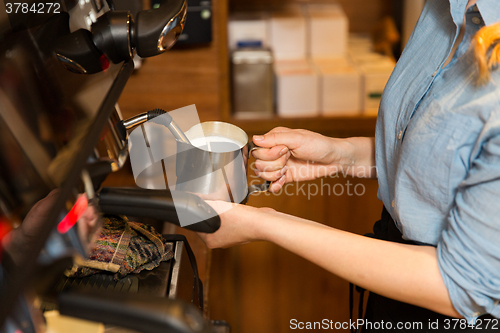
[167,121]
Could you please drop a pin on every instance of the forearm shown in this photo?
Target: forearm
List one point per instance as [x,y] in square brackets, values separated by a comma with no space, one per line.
[402,272]
[358,157]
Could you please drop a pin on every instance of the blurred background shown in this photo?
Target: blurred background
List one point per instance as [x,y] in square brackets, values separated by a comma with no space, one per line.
[316,65]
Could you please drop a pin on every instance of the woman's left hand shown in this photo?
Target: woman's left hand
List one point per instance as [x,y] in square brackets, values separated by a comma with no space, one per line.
[238,224]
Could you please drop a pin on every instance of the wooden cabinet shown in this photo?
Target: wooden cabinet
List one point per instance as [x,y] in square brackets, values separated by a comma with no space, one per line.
[260,287]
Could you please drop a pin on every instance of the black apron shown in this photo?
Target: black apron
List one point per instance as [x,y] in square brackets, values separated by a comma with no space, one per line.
[387,315]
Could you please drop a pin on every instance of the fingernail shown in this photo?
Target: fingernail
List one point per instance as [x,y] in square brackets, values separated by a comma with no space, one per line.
[282,179]
[284,170]
[284,151]
[258,137]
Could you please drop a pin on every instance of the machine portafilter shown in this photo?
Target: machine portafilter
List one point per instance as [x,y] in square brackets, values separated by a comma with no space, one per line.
[115,36]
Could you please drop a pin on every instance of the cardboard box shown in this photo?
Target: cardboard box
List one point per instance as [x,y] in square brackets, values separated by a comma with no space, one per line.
[297,89]
[376,72]
[248,28]
[287,31]
[328,29]
[359,43]
[362,58]
[340,89]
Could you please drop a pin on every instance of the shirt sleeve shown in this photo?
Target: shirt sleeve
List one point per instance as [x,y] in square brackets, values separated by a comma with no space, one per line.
[469,250]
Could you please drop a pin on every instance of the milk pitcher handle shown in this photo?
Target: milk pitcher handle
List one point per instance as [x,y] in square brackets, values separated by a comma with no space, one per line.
[256,188]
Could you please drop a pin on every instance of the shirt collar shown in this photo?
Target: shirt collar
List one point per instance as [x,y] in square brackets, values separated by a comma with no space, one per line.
[490,11]
[457,10]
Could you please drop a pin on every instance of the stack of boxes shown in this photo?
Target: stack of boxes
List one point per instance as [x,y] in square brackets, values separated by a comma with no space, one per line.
[319,68]
[341,86]
[328,28]
[248,27]
[374,68]
[340,81]
[297,87]
[297,81]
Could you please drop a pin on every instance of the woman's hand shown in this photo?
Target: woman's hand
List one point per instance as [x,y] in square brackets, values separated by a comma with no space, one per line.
[298,155]
[237,224]
[407,273]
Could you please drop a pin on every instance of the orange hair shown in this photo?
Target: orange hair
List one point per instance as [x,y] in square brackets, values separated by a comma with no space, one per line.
[486,39]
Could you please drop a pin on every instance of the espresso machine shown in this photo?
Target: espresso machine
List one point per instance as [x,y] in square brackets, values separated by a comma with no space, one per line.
[62,70]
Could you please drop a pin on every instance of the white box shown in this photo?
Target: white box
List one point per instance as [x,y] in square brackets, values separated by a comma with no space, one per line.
[297,89]
[376,73]
[287,34]
[332,62]
[361,58]
[328,29]
[248,27]
[359,43]
[341,88]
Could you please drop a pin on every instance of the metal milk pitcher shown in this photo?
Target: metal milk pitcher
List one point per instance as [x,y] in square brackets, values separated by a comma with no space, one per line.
[214,164]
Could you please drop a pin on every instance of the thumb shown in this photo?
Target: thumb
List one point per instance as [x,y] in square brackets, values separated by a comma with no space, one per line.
[291,139]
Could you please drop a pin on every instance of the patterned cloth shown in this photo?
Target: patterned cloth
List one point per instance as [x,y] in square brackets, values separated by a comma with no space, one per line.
[124,247]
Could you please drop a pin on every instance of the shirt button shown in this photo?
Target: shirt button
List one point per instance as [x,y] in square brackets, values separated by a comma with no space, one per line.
[392,204]
[476,20]
[400,134]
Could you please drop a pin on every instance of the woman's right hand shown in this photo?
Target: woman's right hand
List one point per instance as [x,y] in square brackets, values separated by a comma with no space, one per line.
[296,155]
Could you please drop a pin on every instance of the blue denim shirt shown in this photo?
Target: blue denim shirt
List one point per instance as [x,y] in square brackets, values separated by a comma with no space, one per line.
[438,153]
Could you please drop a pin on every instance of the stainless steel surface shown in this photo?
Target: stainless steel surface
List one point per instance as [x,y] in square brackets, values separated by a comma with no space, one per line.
[85,13]
[253,83]
[176,266]
[71,65]
[111,148]
[53,120]
[27,140]
[45,118]
[218,128]
[172,30]
[178,133]
[135,121]
[130,21]
[143,117]
[218,172]
[88,185]
[256,188]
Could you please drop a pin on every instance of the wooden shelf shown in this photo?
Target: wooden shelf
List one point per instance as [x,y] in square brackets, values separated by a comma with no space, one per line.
[341,126]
